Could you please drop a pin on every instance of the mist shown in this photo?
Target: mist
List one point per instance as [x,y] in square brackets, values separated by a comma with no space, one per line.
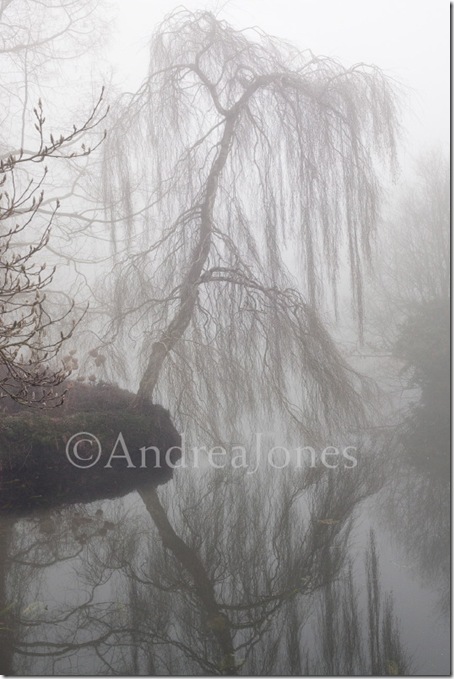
[224,338]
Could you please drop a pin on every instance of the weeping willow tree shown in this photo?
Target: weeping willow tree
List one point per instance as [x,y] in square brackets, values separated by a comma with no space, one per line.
[243,173]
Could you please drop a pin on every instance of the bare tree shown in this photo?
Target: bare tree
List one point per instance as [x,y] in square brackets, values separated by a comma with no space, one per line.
[35,36]
[412,253]
[32,334]
[237,151]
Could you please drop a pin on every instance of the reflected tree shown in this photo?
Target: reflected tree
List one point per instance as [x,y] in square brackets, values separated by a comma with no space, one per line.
[359,639]
[178,595]
[415,511]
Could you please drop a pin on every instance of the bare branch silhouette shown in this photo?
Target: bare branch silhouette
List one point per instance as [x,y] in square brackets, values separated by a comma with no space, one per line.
[238,145]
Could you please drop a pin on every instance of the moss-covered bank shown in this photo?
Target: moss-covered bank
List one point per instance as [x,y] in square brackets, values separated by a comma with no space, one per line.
[45,462]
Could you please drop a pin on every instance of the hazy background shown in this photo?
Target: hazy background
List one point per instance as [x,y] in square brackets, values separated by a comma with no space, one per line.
[253,535]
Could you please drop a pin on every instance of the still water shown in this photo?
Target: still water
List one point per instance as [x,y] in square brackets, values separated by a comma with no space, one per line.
[293,571]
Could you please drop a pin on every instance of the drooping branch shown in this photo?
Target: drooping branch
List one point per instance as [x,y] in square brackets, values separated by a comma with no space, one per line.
[267,168]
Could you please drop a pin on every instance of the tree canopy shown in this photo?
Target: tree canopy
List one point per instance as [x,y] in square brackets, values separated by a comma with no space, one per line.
[240,175]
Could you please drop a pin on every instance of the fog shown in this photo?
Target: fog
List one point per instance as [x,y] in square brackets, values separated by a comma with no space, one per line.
[224,338]
[408,40]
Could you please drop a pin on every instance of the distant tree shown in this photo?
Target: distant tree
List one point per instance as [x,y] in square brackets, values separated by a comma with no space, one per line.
[423,347]
[37,40]
[413,299]
[239,154]
[412,253]
[421,255]
[31,334]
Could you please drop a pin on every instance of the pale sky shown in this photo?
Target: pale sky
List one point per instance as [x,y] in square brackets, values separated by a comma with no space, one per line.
[409,39]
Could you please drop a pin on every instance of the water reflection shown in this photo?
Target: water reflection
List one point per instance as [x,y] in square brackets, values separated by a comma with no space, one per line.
[359,639]
[415,510]
[219,572]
